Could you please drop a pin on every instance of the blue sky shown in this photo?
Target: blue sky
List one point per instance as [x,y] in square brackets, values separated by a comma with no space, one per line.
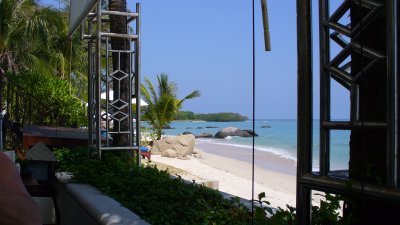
[206,45]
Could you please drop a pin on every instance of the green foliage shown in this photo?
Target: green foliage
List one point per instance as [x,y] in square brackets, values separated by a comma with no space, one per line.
[163,105]
[51,102]
[186,115]
[67,158]
[263,214]
[283,216]
[148,136]
[153,195]
[158,199]
[328,211]
[212,117]
[260,213]
[34,38]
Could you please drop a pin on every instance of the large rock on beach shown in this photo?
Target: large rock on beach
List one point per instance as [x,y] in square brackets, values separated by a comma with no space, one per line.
[170,153]
[183,145]
[251,132]
[204,135]
[167,127]
[197,155]
[186,157]
[232,131]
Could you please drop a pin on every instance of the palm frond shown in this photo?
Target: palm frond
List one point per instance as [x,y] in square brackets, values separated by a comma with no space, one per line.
[192,95]
[164,86]
[35,64]
[146,94]
[152,90]
[7,8]
[166,108]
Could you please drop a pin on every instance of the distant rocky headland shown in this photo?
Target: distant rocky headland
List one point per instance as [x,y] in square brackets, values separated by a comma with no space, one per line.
[211,117]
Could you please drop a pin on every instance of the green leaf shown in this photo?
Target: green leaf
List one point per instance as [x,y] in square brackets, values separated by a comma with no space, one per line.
[261,196]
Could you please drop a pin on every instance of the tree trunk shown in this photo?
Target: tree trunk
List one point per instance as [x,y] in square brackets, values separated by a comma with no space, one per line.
[368,146]
[118,24]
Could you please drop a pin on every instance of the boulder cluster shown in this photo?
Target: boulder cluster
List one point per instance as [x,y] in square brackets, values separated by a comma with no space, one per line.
[233,131]
[182,146]
[225,132]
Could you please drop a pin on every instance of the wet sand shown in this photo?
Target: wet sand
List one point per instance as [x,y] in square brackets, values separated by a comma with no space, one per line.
[262,159]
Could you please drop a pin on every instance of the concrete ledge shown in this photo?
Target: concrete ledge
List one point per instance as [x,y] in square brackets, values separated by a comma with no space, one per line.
[86,205]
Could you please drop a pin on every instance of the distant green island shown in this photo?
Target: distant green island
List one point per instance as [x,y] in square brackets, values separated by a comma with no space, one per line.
[211,117]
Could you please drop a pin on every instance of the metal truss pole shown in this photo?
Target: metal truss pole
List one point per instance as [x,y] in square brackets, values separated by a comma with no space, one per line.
[392,94]
[137,83]
[304,110]
[107,77]
[98,78]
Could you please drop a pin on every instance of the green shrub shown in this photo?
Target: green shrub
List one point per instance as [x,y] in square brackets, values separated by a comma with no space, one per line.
[50,101]
[328,211]
[158,199]
[151,193]
[67,158]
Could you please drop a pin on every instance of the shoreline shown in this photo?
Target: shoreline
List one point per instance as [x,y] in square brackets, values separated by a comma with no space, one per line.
[231,167]
[262,159]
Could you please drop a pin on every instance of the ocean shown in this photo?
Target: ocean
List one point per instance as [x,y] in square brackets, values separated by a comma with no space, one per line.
[279,139]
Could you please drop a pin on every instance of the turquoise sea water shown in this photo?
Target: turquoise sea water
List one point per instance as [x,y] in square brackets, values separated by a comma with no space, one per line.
[280,139]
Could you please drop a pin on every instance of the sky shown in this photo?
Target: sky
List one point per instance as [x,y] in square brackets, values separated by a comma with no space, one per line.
[207,46]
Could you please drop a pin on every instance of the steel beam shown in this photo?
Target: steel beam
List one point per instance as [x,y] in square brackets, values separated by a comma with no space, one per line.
[98,78]
[350,125]
[392,92]
[137,83]
[304,109]
[127,36]
[325,88]
[341,186]
[90,87]
[116,13]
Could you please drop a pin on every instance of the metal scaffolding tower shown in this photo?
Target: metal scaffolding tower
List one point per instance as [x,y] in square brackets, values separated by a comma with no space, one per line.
[109,105]
[340,68]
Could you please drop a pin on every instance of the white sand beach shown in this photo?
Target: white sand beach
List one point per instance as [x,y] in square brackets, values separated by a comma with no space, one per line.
[231,167]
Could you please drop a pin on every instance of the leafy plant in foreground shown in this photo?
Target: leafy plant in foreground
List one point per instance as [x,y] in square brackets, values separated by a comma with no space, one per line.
[158,199]
[260,212]
[264,214]
[328,211]
[50,100]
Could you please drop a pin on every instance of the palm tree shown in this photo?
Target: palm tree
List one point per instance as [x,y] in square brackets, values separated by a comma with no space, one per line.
[118,24]
[33,42]
[24,34]
[17,21]
[163,104]
[33,37]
